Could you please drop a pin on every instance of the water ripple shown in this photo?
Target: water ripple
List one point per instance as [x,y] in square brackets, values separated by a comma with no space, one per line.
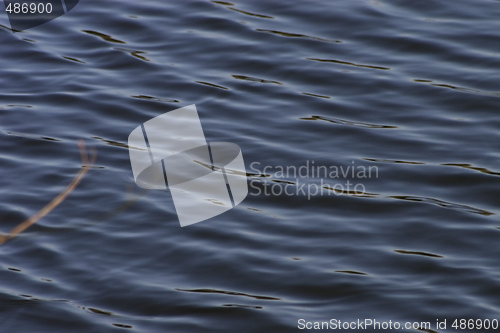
[419,253]
[444,204]
[249,78]
[104,37]
[295,35]
[348,63]
[232,293]
[347,122]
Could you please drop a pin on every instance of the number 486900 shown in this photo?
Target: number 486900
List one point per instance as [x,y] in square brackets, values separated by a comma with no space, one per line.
[477,324]
[29,8]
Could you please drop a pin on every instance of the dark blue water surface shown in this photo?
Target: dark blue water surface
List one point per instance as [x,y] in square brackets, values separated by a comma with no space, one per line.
[409,88]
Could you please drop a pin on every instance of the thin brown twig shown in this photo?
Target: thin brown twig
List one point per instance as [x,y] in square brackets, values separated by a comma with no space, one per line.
[87,163]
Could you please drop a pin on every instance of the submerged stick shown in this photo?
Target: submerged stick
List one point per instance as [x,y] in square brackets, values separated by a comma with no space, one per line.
[87,163]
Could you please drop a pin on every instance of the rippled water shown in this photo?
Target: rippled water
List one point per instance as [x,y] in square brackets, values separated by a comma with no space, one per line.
[408,87]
